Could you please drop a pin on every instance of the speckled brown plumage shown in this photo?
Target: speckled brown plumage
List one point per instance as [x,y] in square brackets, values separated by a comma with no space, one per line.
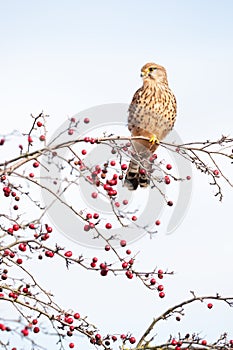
[152,114]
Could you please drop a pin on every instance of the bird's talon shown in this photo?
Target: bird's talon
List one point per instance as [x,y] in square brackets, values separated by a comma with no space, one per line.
[154,140]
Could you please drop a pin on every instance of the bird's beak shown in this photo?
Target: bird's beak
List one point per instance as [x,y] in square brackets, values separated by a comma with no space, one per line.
[142,74]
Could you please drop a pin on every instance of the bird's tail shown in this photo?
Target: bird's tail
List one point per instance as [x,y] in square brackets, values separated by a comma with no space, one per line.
[136,176]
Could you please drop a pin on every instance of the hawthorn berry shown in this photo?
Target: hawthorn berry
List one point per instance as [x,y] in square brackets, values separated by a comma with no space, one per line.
[134,218]
[107,247]
[39,124]
[216,172]
[124,265]
[94,194]
[42,137]
[204,342]
[68,254]
[128,251]
[168,166]
[114,338]
[123,243]
[108,225]
[70,132]
[157,222]
[95,259]
[209,305]
[123,166]
[36,329]
[160,288]
[152,281]
[161,294]
[71,345]
[86,120]
[170,203]
[95,215]
[36,164]
[25,332]
[132,340]
[76,316]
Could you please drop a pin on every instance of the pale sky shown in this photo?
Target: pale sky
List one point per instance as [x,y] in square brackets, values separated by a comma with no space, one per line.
[66,56]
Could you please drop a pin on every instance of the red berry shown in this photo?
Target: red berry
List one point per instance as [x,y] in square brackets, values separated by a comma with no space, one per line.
[39,124]
[152,281]
[76,316]
[117,204]
[173,342]
[25,332]
[107,247]
[73,120]
[30,140]
[188,177]
[114,338]
[123,243]
[167,180]
[160,271]
[70,132]
[31,226]
[19,261]
[104,272]
[10,230]
[35,321]
[132,340]
[108,225]
[49,229]
[129,274]
[42,137]
[160,288]
[86,120]
[124,265]
[68,254]
[96,216]
[128,251]
[112,163]
[209,306]
[123,167]
[71,345]
[15,207]
[15,227]
[84,152]
[103,266]
[204,342]
[93,264]
[31,175]
[134,218]
[95,259]
[22,247]
[98,336]
[123,336]
[36,164]
[170,203]
[36,329]
[168,166]
[161,294]
[157,222]
[216,172]
[125,202]
[94,194]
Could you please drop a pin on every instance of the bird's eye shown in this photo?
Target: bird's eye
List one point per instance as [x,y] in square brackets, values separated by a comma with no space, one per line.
[151,69]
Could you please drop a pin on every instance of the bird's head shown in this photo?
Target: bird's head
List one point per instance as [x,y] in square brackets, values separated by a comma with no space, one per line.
[154,72]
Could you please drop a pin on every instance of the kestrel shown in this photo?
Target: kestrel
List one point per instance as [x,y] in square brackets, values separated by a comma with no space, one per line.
[152,114]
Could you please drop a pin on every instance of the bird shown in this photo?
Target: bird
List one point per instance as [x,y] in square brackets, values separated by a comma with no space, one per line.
[151,114]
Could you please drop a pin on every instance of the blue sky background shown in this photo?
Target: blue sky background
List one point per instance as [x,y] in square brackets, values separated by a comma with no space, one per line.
[65,56]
